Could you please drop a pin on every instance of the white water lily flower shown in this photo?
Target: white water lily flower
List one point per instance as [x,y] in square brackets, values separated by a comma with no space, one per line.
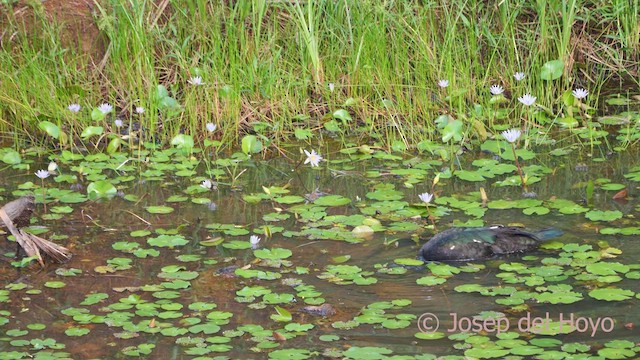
[254,240]
[139,110]
[518,76]
[331,87]
[426,197]
[211,127]
[74,107]
[196,80]
[496,89]
[52,167]
[207,184]
[580,93]
[105,108]
[42,174]
[118,123]
[511,135]
[443,83]
[527,99]
[312,157]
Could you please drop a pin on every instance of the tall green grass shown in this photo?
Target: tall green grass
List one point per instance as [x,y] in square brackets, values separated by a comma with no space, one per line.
[267,65]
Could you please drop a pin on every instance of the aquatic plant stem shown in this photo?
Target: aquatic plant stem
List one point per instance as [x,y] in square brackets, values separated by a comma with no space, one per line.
[515,158]
[433,222]
[44,196]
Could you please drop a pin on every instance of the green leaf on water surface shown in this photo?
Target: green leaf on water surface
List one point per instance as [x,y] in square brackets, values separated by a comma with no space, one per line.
[282,315]
[126,246]
[618,100]
[90,131]
[429,336]
[237,245]
[142,349]
[537,210]
[363,281]
[188,258]
[273,254]
[453,130]
[611,294]
[302,134]
[144,253]
[159,209]
[92,299]
[50,128]
[140,233]
[61,209]
[443,269]
[183,141]
[289,199]
[469,175]
[572,209]
[545,342]
[177,198]
[11,157]
[383,195]
[633,230]
[597,215]
[36,326]
[167,241]
[253,291]
[613,187]
[395,324]
[68,272]
[620,344]
[613,353]
[55,284]
[251,144]
[76,331]
[485,353]
[573,247]
[468,288]
[556,297]
[552,70]
[408,262]
[634,275]
[607,268]
[332,200]
[258,274]
[207,328]
[100,189]
[431,280]
[342,115]
[114,145]
[328,338]
[293,354]
[180,275]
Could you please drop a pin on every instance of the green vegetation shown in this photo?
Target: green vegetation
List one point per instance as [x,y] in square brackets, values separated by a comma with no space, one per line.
[153,118]
[289,70]
[160,265]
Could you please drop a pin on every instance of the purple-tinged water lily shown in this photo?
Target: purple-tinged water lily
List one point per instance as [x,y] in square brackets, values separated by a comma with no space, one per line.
[511,135]
[312,157]
[527,99]
[580,93]
[496,89]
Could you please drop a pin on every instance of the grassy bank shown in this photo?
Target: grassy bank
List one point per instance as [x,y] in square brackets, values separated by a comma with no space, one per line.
[286,70]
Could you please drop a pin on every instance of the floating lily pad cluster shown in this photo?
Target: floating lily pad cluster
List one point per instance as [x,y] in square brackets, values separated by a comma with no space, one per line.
[212,289]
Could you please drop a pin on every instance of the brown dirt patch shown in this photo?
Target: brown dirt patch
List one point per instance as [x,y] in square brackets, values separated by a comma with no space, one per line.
[74,18]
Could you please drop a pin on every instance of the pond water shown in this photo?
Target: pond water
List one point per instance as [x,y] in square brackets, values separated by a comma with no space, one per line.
[187,284]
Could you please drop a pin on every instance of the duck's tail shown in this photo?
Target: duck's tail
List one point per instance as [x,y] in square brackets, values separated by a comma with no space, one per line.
[550,233]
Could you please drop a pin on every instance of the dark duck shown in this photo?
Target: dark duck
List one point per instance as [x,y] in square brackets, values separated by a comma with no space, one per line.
[458,244]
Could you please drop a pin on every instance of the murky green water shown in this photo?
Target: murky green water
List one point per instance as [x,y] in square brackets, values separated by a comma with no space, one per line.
[93,227]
